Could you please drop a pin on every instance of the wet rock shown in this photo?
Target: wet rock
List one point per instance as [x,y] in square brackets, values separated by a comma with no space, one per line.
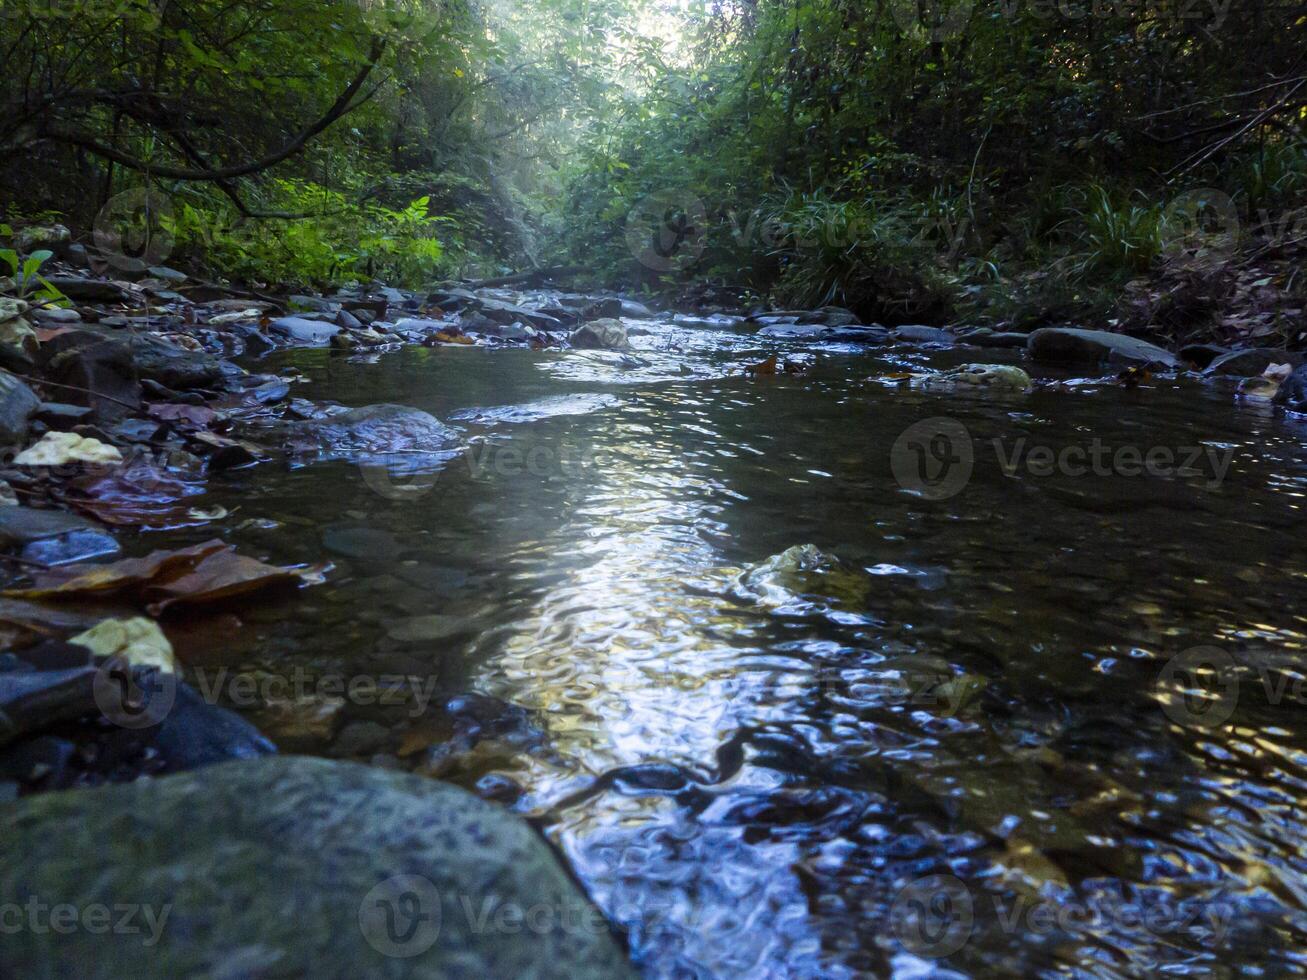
[603,334]
[315,304]
[636,311]
[102,368]
[72,547]
[1250,363]
[17,338]
[17,406]
[25,525]
[428,629]
[1002,340]
[977,377]
[296,867]
[93,290]
[363,543]
[505,315]
[796,331]
[837,316]
[167,364]
[196,733]
[608,308]
[1071,345]
[166,274]
[420,325]
[924,335]
[859,335]
[452,300]
[271,392]
[348,321]
[1293,393]
[376,430]
[303,331]
[36,237]
[361,738]
[56,317]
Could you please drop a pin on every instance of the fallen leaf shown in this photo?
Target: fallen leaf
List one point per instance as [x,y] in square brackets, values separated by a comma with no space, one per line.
[196,415]
[206,573]
[220,576]
[765,367]
[138,641]
[60,448]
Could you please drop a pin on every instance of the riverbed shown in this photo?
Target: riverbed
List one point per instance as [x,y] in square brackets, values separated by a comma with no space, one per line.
[953,734]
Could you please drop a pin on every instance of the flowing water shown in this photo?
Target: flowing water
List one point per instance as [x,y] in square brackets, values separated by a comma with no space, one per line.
[951,736]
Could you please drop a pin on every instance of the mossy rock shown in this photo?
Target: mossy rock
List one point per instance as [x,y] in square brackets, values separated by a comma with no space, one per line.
[290,867]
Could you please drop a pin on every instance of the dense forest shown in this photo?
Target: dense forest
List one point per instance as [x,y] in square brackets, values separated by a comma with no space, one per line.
[916,160]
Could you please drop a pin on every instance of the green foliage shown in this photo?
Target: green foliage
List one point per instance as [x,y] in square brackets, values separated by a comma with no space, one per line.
[335,241]
[24,280]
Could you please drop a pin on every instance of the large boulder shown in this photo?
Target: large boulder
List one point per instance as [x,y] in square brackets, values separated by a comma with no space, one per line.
[293,867]
[603,334]
[1071,345]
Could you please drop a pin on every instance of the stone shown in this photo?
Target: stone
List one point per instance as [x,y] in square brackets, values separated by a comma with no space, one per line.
[36,237]
[373,431]
[54,315]
[17,406]
[364,543]
[608,308]
[23,525]
[348,321]
[603,334]
[427,629]
[420,325]
[837,316]
[304,332]
[360,738]
[859,335]
[796,331]
[636,311]
[92,290]
[158,360]
[315,304]
[1251,363]
[101,366]
[197,733]
[1001,339]
[74,546]
[1071,345]
[1293,392]
[166,274]
[916,334]
[994,377]
[296,867]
